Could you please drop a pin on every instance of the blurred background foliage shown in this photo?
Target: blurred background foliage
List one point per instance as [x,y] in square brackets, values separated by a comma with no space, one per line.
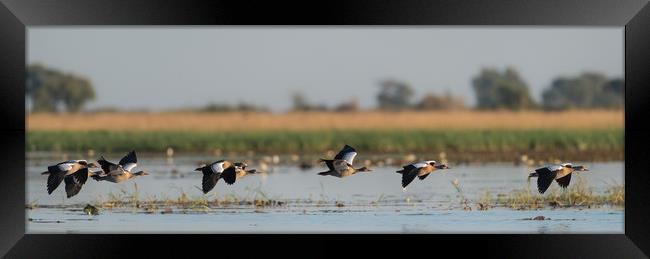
[501,90]
[588,90]
[50,90]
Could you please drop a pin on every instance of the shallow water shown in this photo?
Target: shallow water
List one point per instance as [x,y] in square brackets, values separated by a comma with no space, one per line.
[369,202]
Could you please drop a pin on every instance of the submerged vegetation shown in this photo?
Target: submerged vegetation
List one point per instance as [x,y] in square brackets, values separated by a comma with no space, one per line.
[184,203]
[578,195]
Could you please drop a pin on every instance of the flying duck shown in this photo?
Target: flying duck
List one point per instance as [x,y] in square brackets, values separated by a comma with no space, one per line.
[212,173]
[419,169]
[74,182]
[120,172]
[560,173]
[236,171]
[341,165]
[68,169]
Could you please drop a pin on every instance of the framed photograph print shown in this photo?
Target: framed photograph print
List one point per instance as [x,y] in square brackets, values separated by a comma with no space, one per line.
[515,128]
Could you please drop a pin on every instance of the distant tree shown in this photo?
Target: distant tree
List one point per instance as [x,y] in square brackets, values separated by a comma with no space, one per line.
[616,85]
[241,107]
[300,103]
[394,95]
[76,92]
[437,102]
[216,107]
[495,90]
[350,106]
[245,107]
[612,95]
[588,90]
[49,89]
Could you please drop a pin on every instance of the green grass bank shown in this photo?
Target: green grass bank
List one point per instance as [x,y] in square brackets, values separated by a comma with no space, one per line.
[600,142]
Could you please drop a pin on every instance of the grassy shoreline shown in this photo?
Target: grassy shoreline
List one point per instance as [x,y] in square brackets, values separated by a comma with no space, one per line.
[605,144]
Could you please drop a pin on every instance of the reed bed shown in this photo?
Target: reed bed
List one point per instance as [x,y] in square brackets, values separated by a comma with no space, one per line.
[183,203]
[593,142]
[577,195]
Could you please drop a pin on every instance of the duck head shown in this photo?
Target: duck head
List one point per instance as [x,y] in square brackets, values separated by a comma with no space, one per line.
[575,167]
[579,168]
[86,164]
[240,165]
[443,166]
[140,173]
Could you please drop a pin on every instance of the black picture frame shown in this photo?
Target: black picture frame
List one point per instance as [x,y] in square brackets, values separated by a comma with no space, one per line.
[15,15]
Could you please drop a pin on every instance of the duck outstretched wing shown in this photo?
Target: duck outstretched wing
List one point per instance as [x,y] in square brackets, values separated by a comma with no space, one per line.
[564,181]
[210,179]
[544,178]
[74,182]
[229,175]
[106,166]
[129,161]
[348,154]
[408,177]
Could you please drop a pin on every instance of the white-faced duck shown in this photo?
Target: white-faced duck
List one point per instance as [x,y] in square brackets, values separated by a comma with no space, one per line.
[420,169]
[560,173]
[120,172]
[227,170]
[236,171]
[341,165]
[74,172]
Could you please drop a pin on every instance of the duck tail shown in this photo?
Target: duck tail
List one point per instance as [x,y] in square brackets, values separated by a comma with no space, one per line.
[324,173]
[535,174]
[400,171]
[46,172]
